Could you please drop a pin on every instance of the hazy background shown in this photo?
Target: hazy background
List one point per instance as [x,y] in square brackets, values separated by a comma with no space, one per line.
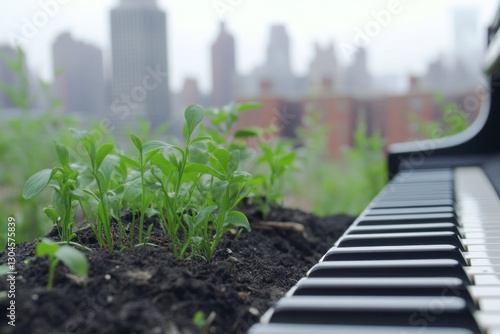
[420,33]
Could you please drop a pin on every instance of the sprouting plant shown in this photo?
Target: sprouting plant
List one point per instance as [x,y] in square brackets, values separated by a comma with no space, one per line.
[203,322]
[279,157]
[61,211]
[199,319]
[223,121]
[227,187]
[142,165]
[199,188]
[224,131]
[74,260]
[102,175]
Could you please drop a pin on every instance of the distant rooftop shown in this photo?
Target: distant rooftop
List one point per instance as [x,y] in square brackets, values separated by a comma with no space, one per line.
[138,3]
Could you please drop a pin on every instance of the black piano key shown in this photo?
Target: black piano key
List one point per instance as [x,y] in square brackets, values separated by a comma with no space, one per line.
[401,239]
[354,329]
[403,286]
[413,197]
[416,252]
[409,219]
[414,189]
[433,312]
[410,204]
[405,228]
[405,211]
[390,268]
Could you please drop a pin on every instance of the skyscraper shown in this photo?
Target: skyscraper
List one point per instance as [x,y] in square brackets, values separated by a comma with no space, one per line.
[277,69]
[323,67]
[80,83]
[140,66]
[7,76]
[223,68]
[357,78]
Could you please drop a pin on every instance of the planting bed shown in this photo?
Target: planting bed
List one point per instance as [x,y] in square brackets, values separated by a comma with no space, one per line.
[147,290]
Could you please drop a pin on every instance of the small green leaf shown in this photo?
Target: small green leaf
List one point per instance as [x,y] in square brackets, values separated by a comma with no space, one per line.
[37,183]
[248,106]
[199,319]
[193,115]
[204,213]
[154,144]
[247,133]
[148,233]
[51,213]
[46,247]
[79,193]
[129,161]
[62,153]
[163,164]
[222,156]
[151,153]
[103,151]
[287,159]
[236,219]
[203,169]
[200,138]
[73,259]
[234,161]
[240,176]
[137,142]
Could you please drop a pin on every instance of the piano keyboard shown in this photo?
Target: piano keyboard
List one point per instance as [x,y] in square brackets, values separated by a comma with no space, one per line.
[424,257]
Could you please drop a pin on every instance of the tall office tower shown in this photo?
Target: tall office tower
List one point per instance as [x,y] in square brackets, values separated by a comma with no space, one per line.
[323,68]
[7,76]
[80,82]
[223,68]
[140,67]
[277,69]
[357,78]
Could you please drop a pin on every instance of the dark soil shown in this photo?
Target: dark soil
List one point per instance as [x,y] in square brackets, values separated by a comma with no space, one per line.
[147,290]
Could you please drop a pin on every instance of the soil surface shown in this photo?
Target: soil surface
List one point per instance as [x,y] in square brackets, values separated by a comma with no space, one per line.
[147,290]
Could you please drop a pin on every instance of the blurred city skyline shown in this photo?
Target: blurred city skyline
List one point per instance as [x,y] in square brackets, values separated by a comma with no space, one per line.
[416,35]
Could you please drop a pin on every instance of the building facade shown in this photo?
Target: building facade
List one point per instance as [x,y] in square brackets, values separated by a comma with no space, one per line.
[79,78]
[140,85]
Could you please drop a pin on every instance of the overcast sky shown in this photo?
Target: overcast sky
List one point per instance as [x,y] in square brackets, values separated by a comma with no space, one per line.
[417,33]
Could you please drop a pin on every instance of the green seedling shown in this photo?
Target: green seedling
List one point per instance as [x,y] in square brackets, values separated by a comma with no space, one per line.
[198,194]
[278,158]
[102,175]
[199,319]
[176,188]
[223,122]
[61,211]
[74,260]
[146,152]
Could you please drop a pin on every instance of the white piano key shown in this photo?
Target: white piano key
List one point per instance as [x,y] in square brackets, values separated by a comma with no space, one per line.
[481,235]
[483,248]
[489,304]
[485,262]
[482,255]
[482,270]
[481,241]
[488,320]
[487,280]
[484,291]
